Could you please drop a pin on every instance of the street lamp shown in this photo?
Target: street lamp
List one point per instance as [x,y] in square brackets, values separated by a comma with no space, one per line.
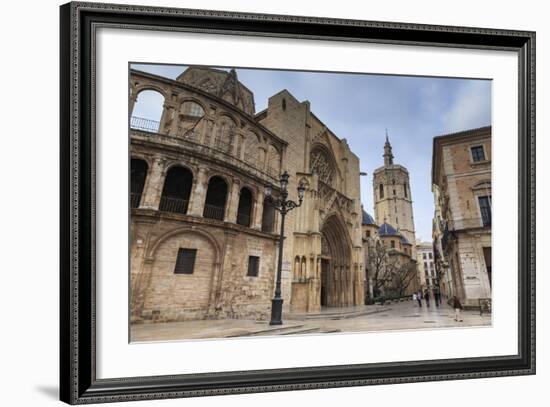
[283,206]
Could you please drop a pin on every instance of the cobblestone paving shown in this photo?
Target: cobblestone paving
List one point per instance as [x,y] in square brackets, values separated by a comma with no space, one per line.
[397,316]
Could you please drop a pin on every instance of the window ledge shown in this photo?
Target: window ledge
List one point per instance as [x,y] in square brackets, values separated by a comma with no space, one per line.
[478,163]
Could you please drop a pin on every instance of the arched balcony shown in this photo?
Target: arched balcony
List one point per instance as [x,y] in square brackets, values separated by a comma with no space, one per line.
[216,197]
[138,173]
[177,190]
[244,210]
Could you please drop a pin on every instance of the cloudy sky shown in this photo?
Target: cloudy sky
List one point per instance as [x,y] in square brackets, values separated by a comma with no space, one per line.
[360,107]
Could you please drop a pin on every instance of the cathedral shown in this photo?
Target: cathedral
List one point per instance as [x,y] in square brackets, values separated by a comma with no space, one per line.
[204,238]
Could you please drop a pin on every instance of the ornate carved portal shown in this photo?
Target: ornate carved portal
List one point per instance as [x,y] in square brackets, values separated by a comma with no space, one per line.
[336,289]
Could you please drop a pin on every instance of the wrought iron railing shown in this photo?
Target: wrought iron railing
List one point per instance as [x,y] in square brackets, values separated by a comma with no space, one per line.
[213,212]
[135,199]
[140,123]
[243,219]
[174,205]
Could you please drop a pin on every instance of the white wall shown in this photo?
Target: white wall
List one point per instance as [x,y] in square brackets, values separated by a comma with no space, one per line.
[29,204]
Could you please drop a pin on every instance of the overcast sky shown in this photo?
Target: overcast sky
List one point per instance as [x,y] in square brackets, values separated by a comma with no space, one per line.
[360,107]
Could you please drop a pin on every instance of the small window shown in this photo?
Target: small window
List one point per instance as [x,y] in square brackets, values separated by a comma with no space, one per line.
[393,244]
[381,191]
[430,255]
[368,233]
[405,190]
[185,262]
[284,104]
[478,154]
[426,267]
[394,191]
[253,266]
[424,256]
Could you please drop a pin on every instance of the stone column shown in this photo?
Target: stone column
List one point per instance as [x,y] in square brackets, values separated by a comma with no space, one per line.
[132,101]
[258,211]
[154,183]
[198,193]
[232,205]
[169,119]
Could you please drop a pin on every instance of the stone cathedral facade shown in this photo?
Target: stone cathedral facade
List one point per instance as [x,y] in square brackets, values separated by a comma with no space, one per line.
[204,241]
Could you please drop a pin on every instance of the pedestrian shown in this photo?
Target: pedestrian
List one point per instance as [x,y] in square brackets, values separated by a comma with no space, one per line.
[414,297]
[427,297]
[437,298]
[419,298]
[455,303]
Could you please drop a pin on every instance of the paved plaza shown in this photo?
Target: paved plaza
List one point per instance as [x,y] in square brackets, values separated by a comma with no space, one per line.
[396,316]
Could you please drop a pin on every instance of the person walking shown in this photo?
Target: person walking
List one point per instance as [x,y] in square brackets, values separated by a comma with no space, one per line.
[455,303]
[414,297]
[437,297]
[419,298]
[427,297]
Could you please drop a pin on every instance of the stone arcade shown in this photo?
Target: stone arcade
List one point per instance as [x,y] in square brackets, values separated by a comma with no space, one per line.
[203,239]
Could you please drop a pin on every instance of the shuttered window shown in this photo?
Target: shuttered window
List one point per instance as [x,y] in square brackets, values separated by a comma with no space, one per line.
[185,262]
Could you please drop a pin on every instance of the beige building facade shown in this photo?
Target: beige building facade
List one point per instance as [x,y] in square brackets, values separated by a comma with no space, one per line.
[427,276]
[461,175]
[204,240]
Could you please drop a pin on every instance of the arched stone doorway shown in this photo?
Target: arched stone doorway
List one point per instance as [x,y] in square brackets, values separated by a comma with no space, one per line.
[336,274]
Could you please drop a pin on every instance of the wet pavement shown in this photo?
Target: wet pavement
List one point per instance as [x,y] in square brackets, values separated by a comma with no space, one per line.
[405,315]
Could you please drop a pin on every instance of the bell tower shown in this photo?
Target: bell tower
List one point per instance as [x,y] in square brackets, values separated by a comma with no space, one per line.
[392,196]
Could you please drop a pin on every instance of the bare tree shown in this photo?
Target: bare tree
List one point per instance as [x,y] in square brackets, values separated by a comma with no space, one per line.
[404,274]
[387,272]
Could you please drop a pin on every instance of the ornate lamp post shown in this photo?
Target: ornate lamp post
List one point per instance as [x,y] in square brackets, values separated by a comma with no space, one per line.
[283,206]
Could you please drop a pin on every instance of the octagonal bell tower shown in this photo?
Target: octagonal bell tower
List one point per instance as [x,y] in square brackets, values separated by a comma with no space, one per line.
[392,196]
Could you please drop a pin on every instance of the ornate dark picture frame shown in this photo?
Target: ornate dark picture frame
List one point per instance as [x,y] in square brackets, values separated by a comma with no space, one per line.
[78,381]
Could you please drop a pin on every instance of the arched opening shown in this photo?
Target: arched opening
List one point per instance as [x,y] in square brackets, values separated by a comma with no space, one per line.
[244,209]
[176,191]
[138,173]
[216,196]
[268,217]
[336,280]
[381,191]
[147,112]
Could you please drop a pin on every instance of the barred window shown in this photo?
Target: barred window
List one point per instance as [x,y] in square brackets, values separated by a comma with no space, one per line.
[253,266]
[478,154]
[185,262]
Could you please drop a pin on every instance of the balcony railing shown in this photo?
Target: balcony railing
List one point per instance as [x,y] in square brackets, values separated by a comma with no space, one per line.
[243,219]
[174,205]
[139,123]
[135,199]
[213,212]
